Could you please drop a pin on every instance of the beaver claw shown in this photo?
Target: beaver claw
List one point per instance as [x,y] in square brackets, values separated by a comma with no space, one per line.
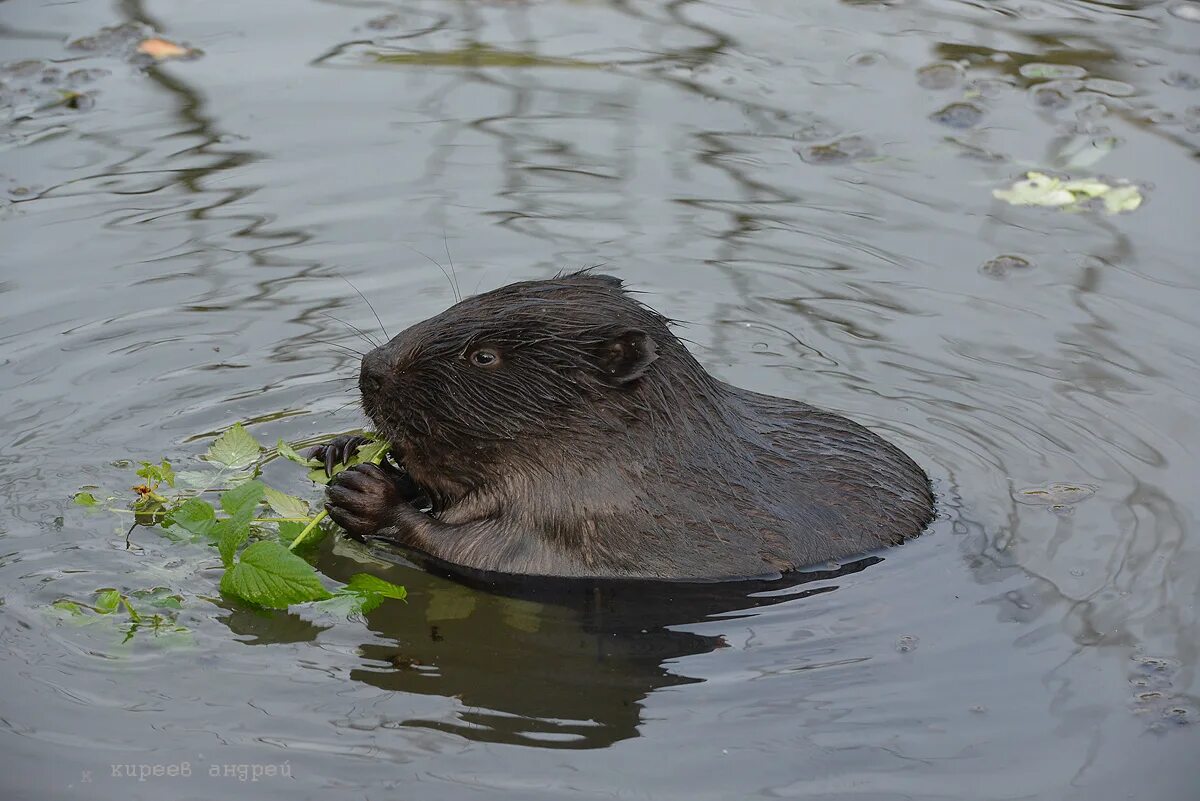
[339,451]
[364,498]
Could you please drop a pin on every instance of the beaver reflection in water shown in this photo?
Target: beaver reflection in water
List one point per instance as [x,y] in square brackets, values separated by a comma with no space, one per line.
[559,428]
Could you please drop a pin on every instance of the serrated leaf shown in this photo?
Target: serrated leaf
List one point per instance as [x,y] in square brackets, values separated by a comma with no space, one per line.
[240,502]
[196,516]
[285,505]
[195,479]
[230,535]
[289,453]
[85,499]
[235,448]
[270,575]
[318,475]
[289,531]
[366,583]
[107,601]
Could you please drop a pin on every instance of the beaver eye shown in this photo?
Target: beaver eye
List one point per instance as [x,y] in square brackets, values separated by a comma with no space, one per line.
[484,357]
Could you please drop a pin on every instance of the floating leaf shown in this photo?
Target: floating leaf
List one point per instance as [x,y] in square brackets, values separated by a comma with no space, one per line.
[107,601]
[70,607]
[285,505]
[235,448]
[230,535]
[1122,198]
[195,516]
[240,502]
[163,49]
[270,575]
[158,473]
[365,582]
[160,597]
[1039,189]
[85,499]
[289,453]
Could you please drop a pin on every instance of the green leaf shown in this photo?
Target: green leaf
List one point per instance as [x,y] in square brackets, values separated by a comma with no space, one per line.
[270,575]
[235,448]
[158,473]
[289,453]
[160,597]
[240,502]
[289,531]
[1039,189]
[1122,198]
[133,613]
[70,607]
[318,475]
[285,505]
[107,601]
[366,583]
[371,452]
[230,535]
[349,603]
[196,516]
[85,499]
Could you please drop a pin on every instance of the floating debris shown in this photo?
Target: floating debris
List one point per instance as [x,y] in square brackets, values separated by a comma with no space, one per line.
[1001,266]
[839,151]
[1039,189]
[958,115]
[163,49]
[1045,72]
[940,75]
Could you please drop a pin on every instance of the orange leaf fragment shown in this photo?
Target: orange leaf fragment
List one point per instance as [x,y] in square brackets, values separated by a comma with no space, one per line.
[161,49]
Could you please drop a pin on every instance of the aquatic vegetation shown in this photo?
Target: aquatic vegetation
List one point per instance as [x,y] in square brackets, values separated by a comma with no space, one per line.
[255,528]
[1039,189]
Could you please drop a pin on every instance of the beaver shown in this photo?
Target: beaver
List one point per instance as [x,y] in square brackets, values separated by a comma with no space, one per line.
[560,428]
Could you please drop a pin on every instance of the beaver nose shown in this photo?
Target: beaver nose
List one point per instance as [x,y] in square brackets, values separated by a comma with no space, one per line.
[373,371]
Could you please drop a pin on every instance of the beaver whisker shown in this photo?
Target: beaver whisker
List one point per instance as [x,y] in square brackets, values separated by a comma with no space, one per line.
[372,342]
[369,306]
[346,348]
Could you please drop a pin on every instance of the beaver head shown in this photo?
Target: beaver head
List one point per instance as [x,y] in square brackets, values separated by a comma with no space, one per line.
[500,377]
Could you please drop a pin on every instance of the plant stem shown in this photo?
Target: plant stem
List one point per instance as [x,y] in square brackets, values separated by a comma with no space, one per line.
[312,524]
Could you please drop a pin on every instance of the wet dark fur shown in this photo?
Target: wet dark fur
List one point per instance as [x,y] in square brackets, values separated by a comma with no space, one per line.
[598,446]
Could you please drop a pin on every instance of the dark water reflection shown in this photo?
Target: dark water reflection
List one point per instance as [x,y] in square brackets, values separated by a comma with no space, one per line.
[810,186]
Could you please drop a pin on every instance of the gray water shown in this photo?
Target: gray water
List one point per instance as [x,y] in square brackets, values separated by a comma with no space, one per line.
[783,175]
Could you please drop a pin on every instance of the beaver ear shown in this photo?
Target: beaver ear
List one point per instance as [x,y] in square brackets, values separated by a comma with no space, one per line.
[626,356]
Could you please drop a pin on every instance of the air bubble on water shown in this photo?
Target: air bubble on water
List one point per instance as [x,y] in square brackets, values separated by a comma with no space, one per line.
[907,643]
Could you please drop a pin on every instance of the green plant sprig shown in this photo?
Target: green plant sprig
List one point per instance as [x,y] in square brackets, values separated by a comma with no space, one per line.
[257,551]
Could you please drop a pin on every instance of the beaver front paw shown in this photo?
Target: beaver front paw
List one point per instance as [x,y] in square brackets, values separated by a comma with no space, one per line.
[339,451]
[366,498]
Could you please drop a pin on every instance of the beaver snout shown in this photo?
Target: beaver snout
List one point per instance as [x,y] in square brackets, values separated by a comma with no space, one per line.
[374,371]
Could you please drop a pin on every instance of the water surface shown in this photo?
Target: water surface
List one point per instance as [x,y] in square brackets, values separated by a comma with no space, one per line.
[809,186]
